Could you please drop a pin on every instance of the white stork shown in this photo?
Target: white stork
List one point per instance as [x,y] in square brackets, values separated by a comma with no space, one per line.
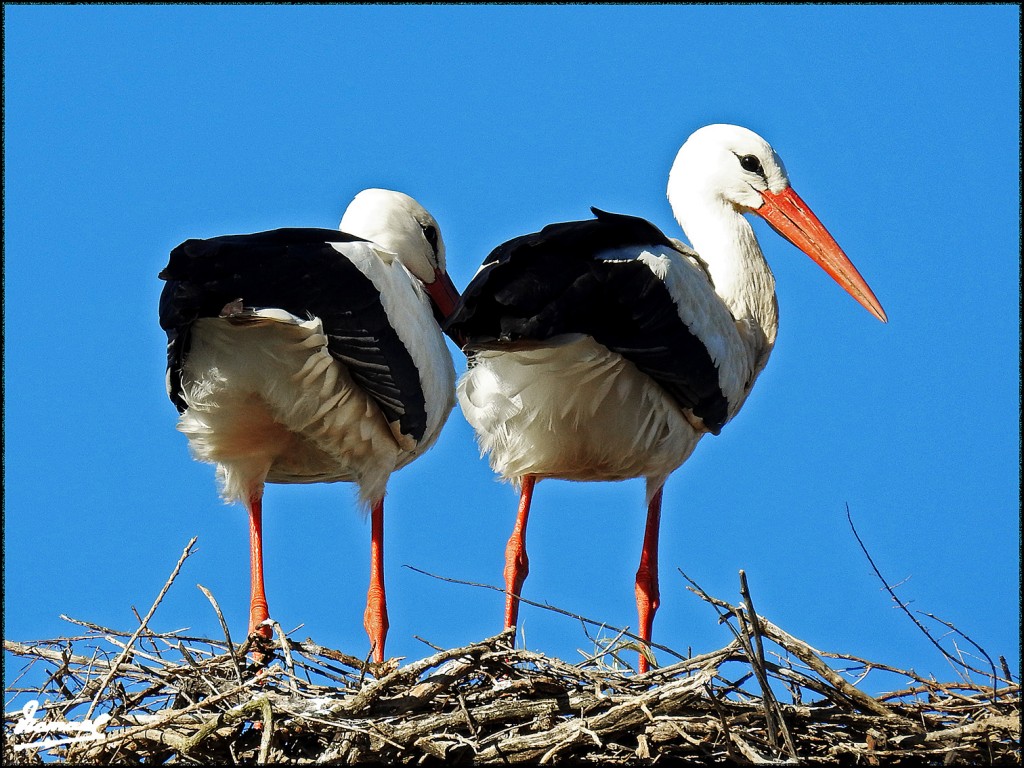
[604,350]
[313,355]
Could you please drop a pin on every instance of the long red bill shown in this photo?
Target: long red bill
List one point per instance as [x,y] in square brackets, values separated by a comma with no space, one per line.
[443,293]
[793,219]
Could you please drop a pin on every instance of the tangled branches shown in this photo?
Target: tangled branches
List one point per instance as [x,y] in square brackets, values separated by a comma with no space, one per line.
[126,698]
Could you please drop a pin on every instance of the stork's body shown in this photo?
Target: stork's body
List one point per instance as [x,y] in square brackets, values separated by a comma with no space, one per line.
[603,350]
[306,355]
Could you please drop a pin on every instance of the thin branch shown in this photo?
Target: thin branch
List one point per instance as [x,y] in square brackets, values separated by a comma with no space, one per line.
[901,604]
[549,607]
[964,635]
[772,711]
[225,630]
[135,636]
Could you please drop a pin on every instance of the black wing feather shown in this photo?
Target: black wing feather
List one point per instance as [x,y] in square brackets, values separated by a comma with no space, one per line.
[556,281]
[297,270]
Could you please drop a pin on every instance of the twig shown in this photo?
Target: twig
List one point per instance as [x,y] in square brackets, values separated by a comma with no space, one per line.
[964,635]
[195,666]
[428,643]
[136,651]
[95,627]
[135,636]
[772,711]
[901,604]
[260,704]
[225,630]
[548,607]
[286,649]
[609,647]
[807,655]
[412,671]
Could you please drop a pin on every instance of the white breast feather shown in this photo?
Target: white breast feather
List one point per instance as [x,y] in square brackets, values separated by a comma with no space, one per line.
[575,410]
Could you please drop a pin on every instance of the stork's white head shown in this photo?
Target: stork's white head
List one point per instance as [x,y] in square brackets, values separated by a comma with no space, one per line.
[406,231]
[400,226]
[726,163]
[724,171]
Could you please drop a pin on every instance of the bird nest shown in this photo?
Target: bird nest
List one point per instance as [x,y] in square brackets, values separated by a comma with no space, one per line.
[116,697]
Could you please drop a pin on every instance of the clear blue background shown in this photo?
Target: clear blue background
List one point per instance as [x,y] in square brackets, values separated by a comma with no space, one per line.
[130,129]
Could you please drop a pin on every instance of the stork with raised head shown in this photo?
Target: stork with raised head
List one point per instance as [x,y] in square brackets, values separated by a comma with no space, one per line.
[605,350]
[313,356]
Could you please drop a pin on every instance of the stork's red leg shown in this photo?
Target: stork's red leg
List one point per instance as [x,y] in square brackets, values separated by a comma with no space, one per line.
[375,619]
[258,611]
[517,564]
[647,594]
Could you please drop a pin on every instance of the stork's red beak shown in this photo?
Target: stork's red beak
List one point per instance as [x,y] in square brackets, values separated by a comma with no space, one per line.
[445,296]
[791,218]
[443,293]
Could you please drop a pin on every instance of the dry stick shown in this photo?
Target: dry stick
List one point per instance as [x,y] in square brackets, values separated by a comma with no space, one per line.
[168,716]
[809,656]
[798,681]
[137,653]
[903,606]
[412,671]
[440,681]
[241,712]
[469,718]
[224,628]
[549,607]
[1008,675]
[268,731]
[723,724]
[964,635]
[723,618]
[772,709]
[94,627]
[53,656]
[722,655]
[750,637]
[321,667]
[609,648]
[428,643]
[142,626]
[195,668]
[286,649]
[307,646]
[176,634]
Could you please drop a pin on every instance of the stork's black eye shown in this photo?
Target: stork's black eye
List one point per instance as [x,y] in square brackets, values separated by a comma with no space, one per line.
[430,232]
[751,163]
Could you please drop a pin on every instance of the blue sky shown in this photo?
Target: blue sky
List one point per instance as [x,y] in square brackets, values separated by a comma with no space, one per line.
[131,128]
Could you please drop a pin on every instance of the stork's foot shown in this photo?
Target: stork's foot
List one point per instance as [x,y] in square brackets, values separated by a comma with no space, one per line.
[260,633]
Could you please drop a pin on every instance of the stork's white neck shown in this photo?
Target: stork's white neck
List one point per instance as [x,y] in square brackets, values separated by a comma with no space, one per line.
[724,239]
